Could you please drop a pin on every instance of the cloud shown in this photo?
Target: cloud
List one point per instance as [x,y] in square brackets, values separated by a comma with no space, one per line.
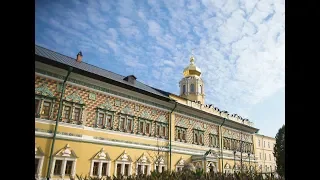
[239,44]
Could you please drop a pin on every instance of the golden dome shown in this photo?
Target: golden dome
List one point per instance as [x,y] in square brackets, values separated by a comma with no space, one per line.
[192,69]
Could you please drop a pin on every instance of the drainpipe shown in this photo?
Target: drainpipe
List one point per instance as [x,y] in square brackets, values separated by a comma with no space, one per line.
[170,140]
[57,122]
[221,149]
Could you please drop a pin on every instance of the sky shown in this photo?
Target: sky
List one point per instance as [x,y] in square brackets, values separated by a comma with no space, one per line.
[238,44]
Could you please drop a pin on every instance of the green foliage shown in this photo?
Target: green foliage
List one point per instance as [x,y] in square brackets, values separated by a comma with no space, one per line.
[190,175]
[279,151]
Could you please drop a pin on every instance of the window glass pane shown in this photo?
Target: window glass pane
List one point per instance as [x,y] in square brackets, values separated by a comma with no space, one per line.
[126,169]
[46,108]
[100,118]
[118,170]
[129,124]
[148,128]
[67,110]
[141,127]
[37,101]
[36,166]
[57,167]
[68,167]
[95,168]
[76,114]
[109,120]
[104,169]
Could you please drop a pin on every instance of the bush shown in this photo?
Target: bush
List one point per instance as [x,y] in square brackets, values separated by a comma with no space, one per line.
[190,175]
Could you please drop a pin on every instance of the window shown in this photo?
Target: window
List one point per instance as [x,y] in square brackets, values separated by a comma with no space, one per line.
[213,141]
[163,169]
[46,109]
[68,167]
[57,167]
[39,157]
[67,110]
[129,124]
[118,170]
[264,144]
[160,164]
[121,124]
[157,168]
[76,114]
[141,127]
[269,157]
[72,112]
[268,145]
[109,121]
[95,168]
[64,163]
[184,135]
[200,89]
[126,170]
[198,137]
[163,131]
[36,166]
[259,142]
[100,119]
[265,157]
[180,133]
[260,155]
[37,102]
[147,128]
[139,169]
[184,89]
[192,88]
[104,169]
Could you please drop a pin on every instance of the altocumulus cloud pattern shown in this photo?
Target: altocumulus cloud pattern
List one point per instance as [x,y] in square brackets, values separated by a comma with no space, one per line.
[239,44]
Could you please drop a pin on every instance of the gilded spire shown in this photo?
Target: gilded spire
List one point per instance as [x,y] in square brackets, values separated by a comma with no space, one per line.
[192,57]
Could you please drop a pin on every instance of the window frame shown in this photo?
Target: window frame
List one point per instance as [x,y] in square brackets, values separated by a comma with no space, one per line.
[158,133]
[192,88]
[40,165]
[125,123]
[199,133]
[182,130]
[71,119]
[145,122]
[41,100]
[63,166]
[100,163]
[214,137]
[105,113]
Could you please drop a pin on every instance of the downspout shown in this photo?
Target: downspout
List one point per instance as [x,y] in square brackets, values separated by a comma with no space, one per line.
[170,140]
[57,122]
[221,149]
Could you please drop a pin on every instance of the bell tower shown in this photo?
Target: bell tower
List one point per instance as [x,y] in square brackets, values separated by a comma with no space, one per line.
[191,85]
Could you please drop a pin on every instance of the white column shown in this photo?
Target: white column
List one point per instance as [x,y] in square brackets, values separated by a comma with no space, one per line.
[142,166]
[40,166]
[129,171]
[52,167]
[100,169]
[115,169]
[91,168]
[148,169]
[63,167]
[122,168]
[108,168]
[73,170]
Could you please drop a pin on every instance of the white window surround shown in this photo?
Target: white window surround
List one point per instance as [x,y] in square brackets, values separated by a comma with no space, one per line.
[65,154]
[126,117]
[39,155]
[100,167]
[180,164]
[161,163]
[63,167]
[41,100]
[106,113]
[101,157]
[143,161]
[123,159]
[72,105]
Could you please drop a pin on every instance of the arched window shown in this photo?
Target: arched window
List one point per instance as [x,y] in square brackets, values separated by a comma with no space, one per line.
[183,89]
[192,88]
[200,89]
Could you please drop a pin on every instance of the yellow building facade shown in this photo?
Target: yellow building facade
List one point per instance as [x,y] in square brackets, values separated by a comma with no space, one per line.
[264,150]
[112,125]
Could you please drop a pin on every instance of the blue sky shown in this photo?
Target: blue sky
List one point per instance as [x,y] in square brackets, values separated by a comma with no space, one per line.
[239,46]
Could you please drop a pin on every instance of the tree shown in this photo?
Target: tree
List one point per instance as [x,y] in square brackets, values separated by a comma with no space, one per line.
[279,151]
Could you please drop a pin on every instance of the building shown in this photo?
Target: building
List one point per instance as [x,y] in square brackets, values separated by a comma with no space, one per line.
[264,152]
[111,124]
